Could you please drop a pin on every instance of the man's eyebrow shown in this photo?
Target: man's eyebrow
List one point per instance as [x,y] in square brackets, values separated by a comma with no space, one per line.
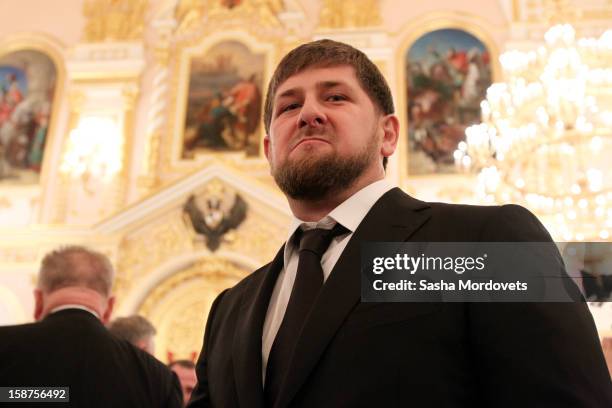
[330,84]
[297,91]
[288,93]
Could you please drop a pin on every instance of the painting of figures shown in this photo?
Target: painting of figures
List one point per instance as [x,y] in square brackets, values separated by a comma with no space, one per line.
[27,85]
[448,72]
[224,101]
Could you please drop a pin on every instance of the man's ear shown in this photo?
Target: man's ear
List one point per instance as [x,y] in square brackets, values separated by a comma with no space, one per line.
[390,128]
[141,344]
[38,304]
[106,314]
[267,147]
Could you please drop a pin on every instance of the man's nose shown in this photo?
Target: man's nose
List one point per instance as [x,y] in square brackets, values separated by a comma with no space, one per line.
[311,115]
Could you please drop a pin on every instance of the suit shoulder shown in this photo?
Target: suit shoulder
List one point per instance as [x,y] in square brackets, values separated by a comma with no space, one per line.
[465,216]
[481,211]
[14,333]
[19,328]
[509,222]
[157,373]
[245,282]
[463,209]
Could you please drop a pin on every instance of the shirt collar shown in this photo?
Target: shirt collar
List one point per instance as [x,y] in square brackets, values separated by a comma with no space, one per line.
[350,212]
[75,306]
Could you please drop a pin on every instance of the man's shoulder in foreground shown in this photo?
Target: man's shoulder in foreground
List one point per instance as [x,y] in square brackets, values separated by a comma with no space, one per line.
[459,222]
[72,348]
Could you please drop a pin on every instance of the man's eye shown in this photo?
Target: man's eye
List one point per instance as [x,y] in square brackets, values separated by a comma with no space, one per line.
[289,107]
[336,98]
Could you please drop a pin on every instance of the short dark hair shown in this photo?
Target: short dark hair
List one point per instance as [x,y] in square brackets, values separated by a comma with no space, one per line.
[132,328]
[182,363]
[76,266]
[328,53]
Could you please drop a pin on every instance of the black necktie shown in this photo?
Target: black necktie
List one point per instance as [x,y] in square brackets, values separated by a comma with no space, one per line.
[308,281]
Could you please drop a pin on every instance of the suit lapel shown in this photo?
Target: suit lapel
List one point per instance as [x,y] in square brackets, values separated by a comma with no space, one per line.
[249,327]
[393,218]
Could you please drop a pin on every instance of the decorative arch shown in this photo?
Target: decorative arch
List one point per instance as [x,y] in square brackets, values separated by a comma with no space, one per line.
[177,297]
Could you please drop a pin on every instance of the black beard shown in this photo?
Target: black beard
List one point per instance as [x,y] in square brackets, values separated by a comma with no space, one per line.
[314,178]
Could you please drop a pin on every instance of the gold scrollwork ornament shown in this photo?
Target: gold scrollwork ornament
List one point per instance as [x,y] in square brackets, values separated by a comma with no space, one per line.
[350,14]
[114,20]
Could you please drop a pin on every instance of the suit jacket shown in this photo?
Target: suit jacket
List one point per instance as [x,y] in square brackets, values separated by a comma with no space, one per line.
[72,348]
[353,354]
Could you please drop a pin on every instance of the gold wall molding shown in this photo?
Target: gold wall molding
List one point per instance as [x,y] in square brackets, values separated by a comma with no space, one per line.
[111,20]
[191,14]
[350,14]
[532,18]
[560,11]
[150,246]
[110,62]
[18,254]
[148,178]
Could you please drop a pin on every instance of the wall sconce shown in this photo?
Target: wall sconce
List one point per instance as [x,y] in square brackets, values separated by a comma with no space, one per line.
[94,151]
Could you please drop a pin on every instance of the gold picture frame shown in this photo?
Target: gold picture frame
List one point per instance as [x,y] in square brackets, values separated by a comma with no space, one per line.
[39,106]
[452,186]
[181,115]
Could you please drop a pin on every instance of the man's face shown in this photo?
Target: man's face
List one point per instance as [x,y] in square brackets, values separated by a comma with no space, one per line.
[187,378]
[325,132]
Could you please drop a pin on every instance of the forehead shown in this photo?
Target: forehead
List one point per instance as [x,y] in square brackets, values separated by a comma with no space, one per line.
[183,372]
[342,75]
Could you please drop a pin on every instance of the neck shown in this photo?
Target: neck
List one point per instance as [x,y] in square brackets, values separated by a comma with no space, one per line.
[74,296]
[315,210]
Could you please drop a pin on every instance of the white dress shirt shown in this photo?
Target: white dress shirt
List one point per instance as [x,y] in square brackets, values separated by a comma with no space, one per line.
[75,306]
[349,214]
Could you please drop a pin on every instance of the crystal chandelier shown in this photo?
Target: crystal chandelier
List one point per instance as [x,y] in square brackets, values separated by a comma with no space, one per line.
[545,140]
[93,151]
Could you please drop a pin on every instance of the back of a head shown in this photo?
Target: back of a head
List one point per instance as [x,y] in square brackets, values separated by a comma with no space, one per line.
[76,266]
[187,364]
[135,329]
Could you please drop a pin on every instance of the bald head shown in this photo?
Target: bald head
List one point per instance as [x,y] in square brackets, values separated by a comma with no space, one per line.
[76,266]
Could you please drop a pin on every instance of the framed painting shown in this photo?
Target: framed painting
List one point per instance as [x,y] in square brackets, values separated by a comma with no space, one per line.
[27,85]
[447,74]
[224,101]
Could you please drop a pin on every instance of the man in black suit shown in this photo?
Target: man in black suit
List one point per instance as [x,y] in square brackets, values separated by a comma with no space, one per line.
[69,346]
[295,334]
